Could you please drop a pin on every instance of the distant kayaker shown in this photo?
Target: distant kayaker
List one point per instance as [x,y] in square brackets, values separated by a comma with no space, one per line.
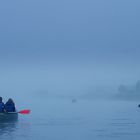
[10,106]
[1,105]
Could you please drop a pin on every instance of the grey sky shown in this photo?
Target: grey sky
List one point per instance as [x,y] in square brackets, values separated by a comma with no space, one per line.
[68,44]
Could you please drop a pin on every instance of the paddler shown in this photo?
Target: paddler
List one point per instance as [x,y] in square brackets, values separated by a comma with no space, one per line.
[10,106]
[1,106]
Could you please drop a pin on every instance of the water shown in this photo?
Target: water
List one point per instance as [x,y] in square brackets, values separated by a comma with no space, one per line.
[54,119]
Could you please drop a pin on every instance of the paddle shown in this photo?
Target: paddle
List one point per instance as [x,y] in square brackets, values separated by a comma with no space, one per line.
[27,111]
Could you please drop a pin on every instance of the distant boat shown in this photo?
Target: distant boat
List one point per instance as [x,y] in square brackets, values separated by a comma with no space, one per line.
[74,100]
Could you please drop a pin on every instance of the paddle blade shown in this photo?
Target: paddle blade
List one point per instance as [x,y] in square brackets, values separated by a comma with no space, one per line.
[24,111]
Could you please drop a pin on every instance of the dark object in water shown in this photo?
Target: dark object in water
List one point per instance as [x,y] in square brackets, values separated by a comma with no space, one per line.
[8,117]
[139,105]
[74,100]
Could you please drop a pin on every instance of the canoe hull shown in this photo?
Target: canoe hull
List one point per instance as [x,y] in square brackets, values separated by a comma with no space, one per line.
[6,117]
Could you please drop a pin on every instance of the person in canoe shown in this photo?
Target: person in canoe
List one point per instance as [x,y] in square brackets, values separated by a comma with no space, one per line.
[2,106]
[10,106]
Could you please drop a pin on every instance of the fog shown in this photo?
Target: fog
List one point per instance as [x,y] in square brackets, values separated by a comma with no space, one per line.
[75,65]
[68,48]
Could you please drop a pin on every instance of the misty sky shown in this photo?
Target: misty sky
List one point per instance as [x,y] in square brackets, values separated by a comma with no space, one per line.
[68,46]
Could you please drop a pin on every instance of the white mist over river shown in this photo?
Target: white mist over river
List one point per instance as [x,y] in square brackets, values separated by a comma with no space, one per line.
[75,64]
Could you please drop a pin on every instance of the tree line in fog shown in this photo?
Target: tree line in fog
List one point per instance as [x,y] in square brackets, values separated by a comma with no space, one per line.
[129,92]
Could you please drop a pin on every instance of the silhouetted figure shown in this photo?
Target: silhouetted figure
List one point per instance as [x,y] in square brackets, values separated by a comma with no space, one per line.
[139,105]
[1,105]
[10,106]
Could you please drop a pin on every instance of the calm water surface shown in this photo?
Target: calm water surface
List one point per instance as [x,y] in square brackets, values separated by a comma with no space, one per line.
[83,120]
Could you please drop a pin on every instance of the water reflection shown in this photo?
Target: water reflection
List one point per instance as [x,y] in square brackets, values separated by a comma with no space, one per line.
[8,127]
